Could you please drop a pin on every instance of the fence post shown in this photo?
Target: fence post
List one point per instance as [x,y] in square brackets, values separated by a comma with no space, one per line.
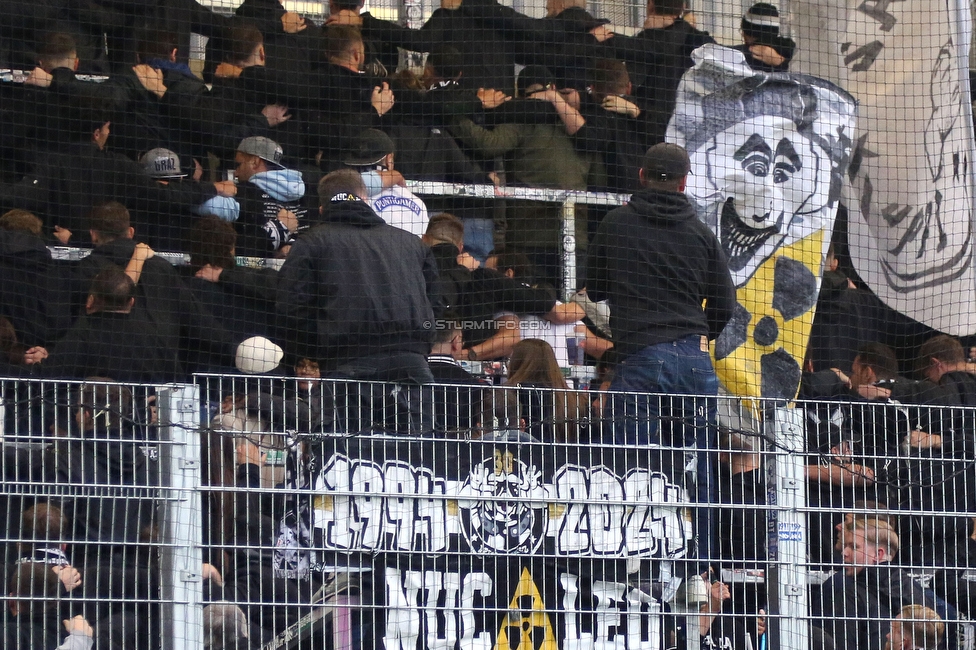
[181,555]
[569,247]
[786,573]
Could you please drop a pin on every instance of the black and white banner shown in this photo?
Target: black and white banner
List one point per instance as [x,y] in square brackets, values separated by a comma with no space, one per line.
[911,194]
[490,544]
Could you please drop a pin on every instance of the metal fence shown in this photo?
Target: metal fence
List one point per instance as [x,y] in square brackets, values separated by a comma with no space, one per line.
[256,512]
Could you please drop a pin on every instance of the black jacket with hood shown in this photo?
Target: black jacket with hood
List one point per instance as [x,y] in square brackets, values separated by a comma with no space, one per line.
[355,286]
[655,262]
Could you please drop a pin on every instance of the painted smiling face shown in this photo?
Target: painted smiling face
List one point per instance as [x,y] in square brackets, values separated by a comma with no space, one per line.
[757,180]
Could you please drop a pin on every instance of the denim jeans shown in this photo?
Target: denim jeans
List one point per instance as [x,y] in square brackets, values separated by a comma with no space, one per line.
[479,237]
[682,413]
[402,404]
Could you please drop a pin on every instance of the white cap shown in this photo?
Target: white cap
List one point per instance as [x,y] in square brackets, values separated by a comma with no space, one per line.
[257,355]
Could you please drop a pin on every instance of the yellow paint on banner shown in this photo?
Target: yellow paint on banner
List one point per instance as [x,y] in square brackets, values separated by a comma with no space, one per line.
[741,371]
[526,620]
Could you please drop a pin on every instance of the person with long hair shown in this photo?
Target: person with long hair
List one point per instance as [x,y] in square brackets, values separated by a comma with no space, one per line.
[544,406]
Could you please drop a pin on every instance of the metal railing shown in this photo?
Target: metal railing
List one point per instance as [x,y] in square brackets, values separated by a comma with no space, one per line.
[326,513]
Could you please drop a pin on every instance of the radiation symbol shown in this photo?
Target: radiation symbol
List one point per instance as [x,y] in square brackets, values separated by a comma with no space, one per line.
[526,626]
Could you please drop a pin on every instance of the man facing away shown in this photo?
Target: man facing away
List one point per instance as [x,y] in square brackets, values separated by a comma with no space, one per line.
[667,281]
[356,293]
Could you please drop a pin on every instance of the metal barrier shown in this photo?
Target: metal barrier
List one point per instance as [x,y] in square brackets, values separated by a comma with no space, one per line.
[568,199]
[334,514]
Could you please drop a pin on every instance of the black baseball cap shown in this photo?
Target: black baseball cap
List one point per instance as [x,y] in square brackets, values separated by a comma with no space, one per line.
[532,75]
[666,162]
[369,149]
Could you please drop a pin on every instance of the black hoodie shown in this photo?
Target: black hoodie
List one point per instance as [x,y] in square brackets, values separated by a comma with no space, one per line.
[355,286]
[655,263]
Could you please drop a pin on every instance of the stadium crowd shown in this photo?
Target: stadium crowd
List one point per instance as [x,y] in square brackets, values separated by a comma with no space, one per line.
[293,143]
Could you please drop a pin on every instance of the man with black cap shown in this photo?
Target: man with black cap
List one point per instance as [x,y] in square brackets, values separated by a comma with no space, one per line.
[269,208]
[396,205]
[667,281]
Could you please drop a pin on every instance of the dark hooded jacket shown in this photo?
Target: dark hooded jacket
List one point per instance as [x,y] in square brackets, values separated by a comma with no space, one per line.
[182,323]
[355,286]
[655,262]
[29,293]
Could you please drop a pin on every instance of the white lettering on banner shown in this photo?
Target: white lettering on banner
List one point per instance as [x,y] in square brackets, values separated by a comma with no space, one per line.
[365,506]
[473,583]
[648,524]
[425,606]
[402,616]
[400,510]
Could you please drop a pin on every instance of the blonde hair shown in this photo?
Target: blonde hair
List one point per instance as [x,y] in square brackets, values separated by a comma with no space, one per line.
[877,532]
[922,625]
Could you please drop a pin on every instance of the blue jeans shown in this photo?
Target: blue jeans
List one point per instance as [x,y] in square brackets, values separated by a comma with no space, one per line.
[403,403]
[479,238]
[682,414]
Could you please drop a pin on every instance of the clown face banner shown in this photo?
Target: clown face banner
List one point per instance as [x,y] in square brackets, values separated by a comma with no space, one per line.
[768,155]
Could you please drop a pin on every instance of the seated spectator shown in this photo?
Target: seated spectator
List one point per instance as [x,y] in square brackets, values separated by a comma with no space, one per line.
[268,210]
[396,205]
[546,414]
[916,628]
[764,48]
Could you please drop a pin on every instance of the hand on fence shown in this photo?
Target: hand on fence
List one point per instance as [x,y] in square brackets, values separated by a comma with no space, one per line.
[62,235]
[69,576]
[39,77]
[78,624]
[919,439]
[210,572]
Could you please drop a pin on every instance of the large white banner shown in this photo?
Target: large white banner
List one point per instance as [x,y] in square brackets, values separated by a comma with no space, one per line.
[911,179]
